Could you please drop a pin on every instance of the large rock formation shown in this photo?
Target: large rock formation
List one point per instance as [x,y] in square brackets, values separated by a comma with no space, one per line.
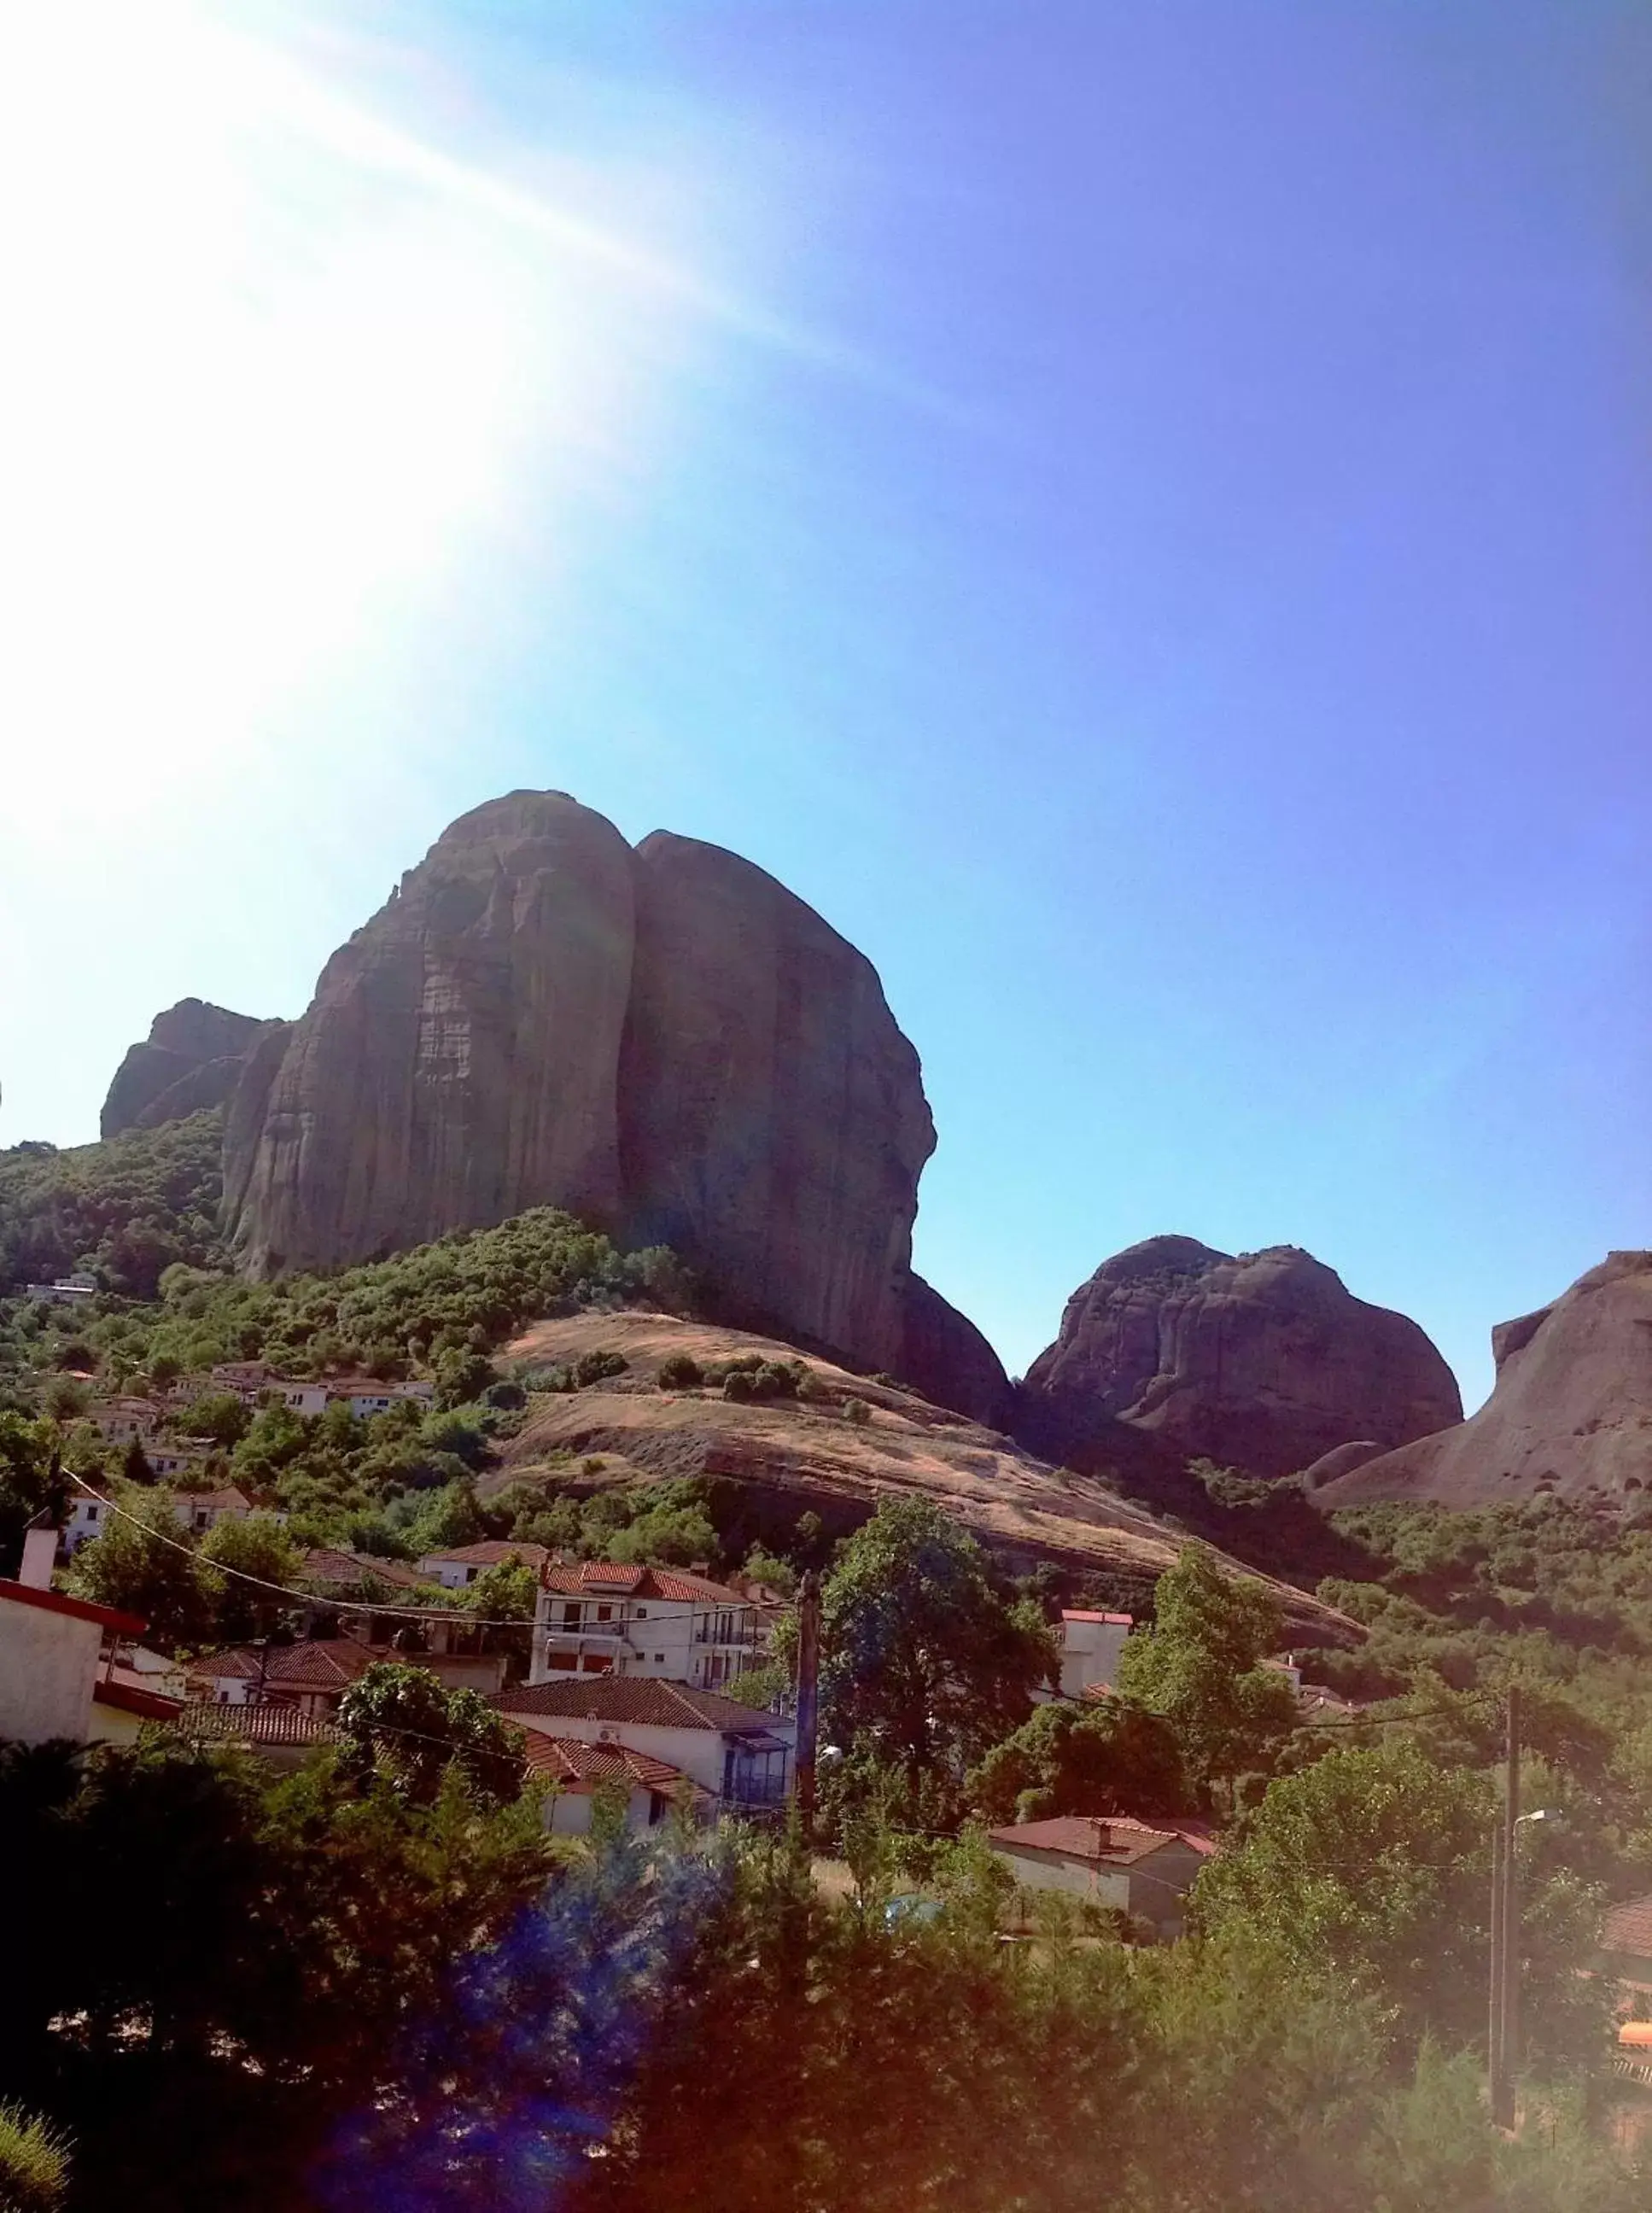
[459,1060]
[192,1058]
[666,1042]
[1570,1412]
[1263,1363]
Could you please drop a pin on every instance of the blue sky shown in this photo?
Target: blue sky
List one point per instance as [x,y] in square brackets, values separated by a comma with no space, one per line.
[1141,515]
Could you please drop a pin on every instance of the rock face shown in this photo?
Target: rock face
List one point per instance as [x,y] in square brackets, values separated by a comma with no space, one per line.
[772,1119]
[1263,1363]
[666,1042]
[1570,1412]
[459,1061]
[193,1058]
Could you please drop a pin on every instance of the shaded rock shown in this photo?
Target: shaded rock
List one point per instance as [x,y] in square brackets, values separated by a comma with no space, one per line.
[192,1058]
[1264,1361]
[945,1357]
[1341,1461]
[1570,1412]
[772,1119]
[458,1062]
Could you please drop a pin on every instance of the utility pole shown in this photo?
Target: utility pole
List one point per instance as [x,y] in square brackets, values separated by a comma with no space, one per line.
[809,1675]
[1510,1911]
[1505,1931]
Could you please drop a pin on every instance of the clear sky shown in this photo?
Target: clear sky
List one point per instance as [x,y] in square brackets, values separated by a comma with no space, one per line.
[1142,514]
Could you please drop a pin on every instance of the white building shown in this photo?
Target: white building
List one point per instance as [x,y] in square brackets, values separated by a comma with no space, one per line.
[120,1420]
[457,1568]
[69,1291]
[1090,1645]
[599,1617]
[1111,1861]
[170,1460]
[201,1510]
[88,1517]
[650,1787]
[50,1650]
[739,1757]
[366,1395]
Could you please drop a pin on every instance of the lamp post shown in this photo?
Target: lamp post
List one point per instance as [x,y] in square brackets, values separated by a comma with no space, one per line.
[1503,2041]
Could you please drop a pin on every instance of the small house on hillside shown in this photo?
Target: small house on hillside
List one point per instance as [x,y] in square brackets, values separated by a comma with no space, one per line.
[1110,1860]
[602,1618]
[459,1566]
[1090,1643]
[649,1786]
[739,1757]
[201,1510]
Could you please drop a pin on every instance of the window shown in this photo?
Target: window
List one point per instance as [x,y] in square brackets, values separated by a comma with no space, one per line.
[571,1616]
[605,1613]
[659,1659]
[641,1614]
[564,1663]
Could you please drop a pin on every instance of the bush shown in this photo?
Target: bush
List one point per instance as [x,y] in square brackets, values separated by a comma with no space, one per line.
[33,2164]
[857,1412]
[679,1371]
[739,1387]
[596,1368]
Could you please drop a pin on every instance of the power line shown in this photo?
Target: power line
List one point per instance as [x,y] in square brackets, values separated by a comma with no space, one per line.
[302,1597]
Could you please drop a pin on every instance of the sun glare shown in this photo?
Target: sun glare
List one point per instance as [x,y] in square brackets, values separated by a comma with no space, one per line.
[273,367]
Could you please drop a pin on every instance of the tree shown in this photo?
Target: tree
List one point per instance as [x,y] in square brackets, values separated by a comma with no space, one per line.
[1198,1667]
[27,1468]
[925,1660]
[221,1416]
[255,1544]
[400,1722]
[1111,1756]
[144,1565]
[135,1465]
[1374,1864]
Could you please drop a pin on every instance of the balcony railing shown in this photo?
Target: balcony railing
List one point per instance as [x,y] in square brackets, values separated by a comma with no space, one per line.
[578,1629]
[744,1637]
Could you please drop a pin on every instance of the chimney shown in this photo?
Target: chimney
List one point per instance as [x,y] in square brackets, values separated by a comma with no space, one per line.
[1103,1837]
[40,1554]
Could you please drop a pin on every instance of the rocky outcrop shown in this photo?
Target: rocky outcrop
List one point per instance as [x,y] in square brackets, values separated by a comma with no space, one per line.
[947,1358]
[772,1119]
[192,1058]
[1263,1362]
[666,1042]
[458,1062]
[1570,1412]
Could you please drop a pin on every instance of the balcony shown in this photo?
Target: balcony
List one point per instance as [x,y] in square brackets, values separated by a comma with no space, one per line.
[573,1632]
[744,1639]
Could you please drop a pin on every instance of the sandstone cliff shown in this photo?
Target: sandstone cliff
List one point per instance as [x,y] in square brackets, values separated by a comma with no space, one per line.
[1263,1363]
[1570,1412]
[192,1058]
[666,1042]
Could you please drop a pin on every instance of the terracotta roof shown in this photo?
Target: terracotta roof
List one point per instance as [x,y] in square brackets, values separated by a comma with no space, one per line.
[275,1725]
[1627,1928]
[226,1667]
[491,1551]
[327,1566]
[52,1601]
[1083,1613]
[1116,1839]
[213,1498]
[641,1698]
[318,1663]
[613,1578]
[570,1761]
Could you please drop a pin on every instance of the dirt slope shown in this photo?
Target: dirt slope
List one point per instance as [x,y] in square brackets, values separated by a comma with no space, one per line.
[812,1455]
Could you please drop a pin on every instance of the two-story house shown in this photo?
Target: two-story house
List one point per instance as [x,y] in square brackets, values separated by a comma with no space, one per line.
[601,1617]
[459,1565]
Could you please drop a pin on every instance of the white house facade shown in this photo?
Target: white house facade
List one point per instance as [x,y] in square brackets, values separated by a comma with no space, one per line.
[739,1758]
[601,1617]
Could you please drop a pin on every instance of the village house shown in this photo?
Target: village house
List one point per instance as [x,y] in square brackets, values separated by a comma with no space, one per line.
[599,1618]
[1089,1644]
[251,1379]
[740,1758]
[122,1419]
[457,1568]
[67,1292]
[167,1459]
[88,1517]
[201,1510]
[649,1786]
[52,1650]
[1110,1860]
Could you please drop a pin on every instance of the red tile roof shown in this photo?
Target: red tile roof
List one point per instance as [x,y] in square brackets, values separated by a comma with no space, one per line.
[570,1761]
[1627,1928]
[272,1725]
[213,1498]
[327,1566]
[1115,1839]
[641,1698]
[606,1578]
[491,1551]
[52,1601]
[318,1663]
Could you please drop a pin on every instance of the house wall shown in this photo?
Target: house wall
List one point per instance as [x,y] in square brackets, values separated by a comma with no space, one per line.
[1077,1878]
[568,1812]
[1159,1885]
[111,1725]
[672,1640]
[1089,1654]
[48,1664]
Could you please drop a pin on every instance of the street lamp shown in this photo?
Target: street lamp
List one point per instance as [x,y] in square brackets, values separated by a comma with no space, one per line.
[1504,2042]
